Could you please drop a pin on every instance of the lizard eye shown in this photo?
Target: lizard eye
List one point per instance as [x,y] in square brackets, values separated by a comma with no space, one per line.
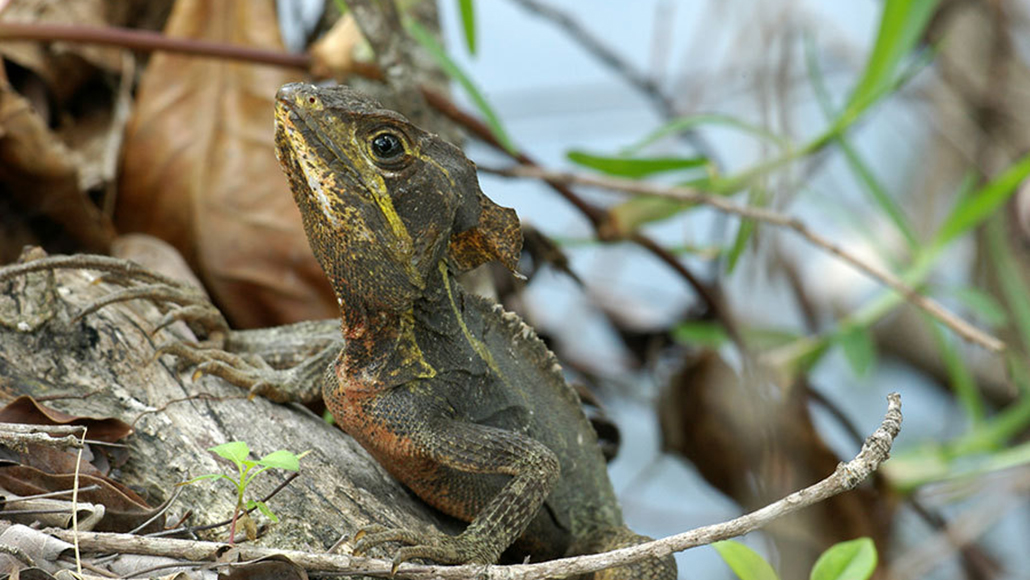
[387,147]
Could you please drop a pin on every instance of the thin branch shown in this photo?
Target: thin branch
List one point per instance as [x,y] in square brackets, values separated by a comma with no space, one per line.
[146,40]
[847,475]
[928,305]
[19,434]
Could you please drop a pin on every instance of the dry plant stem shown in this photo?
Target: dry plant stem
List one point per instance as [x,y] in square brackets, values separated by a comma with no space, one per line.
[847,475]
[928,305]
[75,501]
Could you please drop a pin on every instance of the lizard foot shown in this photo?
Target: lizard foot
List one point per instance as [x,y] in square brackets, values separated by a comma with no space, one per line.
[440,548]
[252,372]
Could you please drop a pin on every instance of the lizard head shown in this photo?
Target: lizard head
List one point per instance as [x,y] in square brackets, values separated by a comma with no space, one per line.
[383,202]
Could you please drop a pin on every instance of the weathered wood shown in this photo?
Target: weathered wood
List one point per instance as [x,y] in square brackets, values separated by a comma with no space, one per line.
[110,356]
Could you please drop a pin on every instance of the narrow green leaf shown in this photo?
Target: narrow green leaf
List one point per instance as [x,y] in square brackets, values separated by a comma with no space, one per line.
[745,562]
[435,50]
[468,22]
[972,210]
[866,177]
[982,305]
[962,381]
[280,459]
[235,451]
[634,167]
[700,333]
[744,231]
[755,197]
[859,348]
[901,25]
[852,560]
[263,508]
[1013,289]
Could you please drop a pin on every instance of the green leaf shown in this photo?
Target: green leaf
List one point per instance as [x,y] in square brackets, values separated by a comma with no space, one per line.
[859,348]
[747,226]
[744,231]
[871,184]
[901,25]
[468,23]
[208,476]
[972,210]
[962,381]
[983,305]
[263,508]
[852,560]
[710,334]
[235,451]
[634,167]
[1013,289]
[280,459]
[745,562]
[635,212]
[435,50]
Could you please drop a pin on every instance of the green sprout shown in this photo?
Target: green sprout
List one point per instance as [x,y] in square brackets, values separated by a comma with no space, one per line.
[247,470]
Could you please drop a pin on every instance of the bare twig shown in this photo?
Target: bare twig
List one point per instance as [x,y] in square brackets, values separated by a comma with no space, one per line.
[18,434]
[75,501]
[147,41]
[928,305]
[847,475]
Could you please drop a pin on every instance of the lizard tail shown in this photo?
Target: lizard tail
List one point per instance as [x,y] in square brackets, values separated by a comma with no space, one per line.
[622,537]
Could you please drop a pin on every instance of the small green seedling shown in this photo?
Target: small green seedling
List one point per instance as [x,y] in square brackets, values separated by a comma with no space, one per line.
[247,470]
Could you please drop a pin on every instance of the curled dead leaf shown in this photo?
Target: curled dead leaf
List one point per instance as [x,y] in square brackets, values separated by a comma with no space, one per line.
[199,170]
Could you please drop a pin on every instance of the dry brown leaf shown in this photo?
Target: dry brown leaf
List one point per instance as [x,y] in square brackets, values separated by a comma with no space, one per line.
[199,170]
[28,411]
[269,568]
[155,254]
[39,176]
[60,64]
[124,510]
[332,55]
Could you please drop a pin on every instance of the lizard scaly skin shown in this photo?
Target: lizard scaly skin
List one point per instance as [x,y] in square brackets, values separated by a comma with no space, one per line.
[455,397]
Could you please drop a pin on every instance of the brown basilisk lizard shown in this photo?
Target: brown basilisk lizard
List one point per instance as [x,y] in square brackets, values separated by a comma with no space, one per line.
[457,398]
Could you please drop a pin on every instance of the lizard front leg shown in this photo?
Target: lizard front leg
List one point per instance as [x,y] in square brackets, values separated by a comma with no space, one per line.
[474,449]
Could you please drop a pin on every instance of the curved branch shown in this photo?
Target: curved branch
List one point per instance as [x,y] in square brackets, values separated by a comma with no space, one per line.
[847,475]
